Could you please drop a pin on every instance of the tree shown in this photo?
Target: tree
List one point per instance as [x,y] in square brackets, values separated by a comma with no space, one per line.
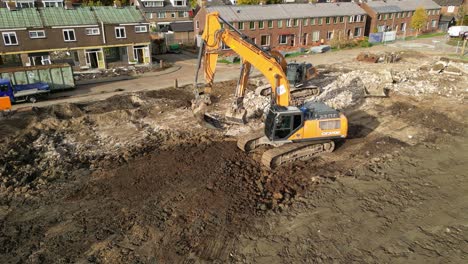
[271,2]
[193,3]
[419,19]
[460,16]
[248,2]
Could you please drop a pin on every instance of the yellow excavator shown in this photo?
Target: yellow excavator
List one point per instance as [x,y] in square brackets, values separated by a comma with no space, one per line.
[296,133]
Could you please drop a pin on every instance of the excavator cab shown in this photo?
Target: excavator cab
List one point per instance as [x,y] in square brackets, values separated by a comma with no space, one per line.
[282,122]
[297,73]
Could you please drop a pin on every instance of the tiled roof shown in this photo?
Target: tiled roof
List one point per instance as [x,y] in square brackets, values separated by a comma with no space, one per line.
[449,2]
[181,26]
[58,16]
[391,6]
[112,15]
[26,17]
[285,11]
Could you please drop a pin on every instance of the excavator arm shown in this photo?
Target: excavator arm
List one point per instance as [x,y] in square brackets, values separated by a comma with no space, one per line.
[267,63]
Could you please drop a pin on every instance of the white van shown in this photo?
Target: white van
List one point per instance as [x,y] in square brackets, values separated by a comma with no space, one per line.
[456,31]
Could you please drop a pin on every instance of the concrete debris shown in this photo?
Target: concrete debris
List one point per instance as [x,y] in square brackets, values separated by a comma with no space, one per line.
[387,57]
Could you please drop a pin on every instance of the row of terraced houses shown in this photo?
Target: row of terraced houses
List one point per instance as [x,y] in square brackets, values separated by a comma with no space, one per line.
[39,32]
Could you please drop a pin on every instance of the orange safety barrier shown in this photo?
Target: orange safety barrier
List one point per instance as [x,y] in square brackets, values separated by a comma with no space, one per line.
[5,103]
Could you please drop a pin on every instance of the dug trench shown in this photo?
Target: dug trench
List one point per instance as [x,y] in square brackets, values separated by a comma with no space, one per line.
[134,179]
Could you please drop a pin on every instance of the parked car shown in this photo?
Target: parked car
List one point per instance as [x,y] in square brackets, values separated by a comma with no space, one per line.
[457,31]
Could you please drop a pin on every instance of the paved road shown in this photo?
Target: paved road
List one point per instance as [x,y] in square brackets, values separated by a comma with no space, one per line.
[184,71]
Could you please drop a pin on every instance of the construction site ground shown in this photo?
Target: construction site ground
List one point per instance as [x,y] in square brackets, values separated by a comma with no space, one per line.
[134,178]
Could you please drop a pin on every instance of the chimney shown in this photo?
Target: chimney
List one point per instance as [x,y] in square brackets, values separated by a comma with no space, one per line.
[117,4]
[11,6]
[69,5]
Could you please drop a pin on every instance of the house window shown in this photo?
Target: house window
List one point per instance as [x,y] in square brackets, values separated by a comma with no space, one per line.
[161,14]
[153,3]
[283,39]
[381,28]
[398,15]
[390,15]
[9,38]
[450,9]
[37,34]
[173,15]
[434,23]
[296,22]
[141,29]
[312,21]
[280,23]
[335,20]
[25,4]
[316,36]
[380,17]
[341,19]
[224,46]
[260,25]
[120,32]
[357,31]
[403,26]
[252,25]
[53,3]
[179,3]
[92,31]
[327,20]
[288,23]
[265,40]
[351,19]
[240,25]
[329,34]
[69,35]
[197,24]
[357,18]
[305,22]
[363,18]
[270,23]
[320,20]
[385,16]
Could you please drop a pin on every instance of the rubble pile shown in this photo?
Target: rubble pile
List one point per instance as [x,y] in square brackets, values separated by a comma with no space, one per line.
[255,104]
[115,72]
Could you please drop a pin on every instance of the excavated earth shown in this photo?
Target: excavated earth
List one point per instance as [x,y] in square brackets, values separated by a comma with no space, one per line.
[135,179]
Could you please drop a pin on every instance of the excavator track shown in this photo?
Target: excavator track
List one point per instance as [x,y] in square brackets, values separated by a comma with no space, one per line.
[295,151]
[250,141]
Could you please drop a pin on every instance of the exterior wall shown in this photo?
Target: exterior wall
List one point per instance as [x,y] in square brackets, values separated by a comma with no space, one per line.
[153,16]
[394,21]
[300,35]
[54,39]
[444,11]
[131,35]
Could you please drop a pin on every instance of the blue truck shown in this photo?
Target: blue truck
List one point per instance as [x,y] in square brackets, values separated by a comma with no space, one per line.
[23,92]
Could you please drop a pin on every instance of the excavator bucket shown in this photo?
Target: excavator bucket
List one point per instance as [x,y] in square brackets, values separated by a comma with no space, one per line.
[238,116]
[199,109]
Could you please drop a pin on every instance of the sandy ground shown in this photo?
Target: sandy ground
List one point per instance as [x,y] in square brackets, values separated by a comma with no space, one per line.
[135,179]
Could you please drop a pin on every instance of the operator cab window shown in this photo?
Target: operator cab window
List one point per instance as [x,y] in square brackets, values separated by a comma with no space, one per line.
[4,88]
[286,124]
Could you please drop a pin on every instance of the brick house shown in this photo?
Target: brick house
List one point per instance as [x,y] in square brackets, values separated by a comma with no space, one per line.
[395,15]
[161,13]
[290,25]
[449,7]
[84,37]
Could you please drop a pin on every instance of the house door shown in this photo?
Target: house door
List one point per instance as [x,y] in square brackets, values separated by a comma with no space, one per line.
[304,39]
[95,59]
[292,41]
[92,59]
[141,54]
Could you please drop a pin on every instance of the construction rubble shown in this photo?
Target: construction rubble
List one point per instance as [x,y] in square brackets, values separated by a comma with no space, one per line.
[134,178]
